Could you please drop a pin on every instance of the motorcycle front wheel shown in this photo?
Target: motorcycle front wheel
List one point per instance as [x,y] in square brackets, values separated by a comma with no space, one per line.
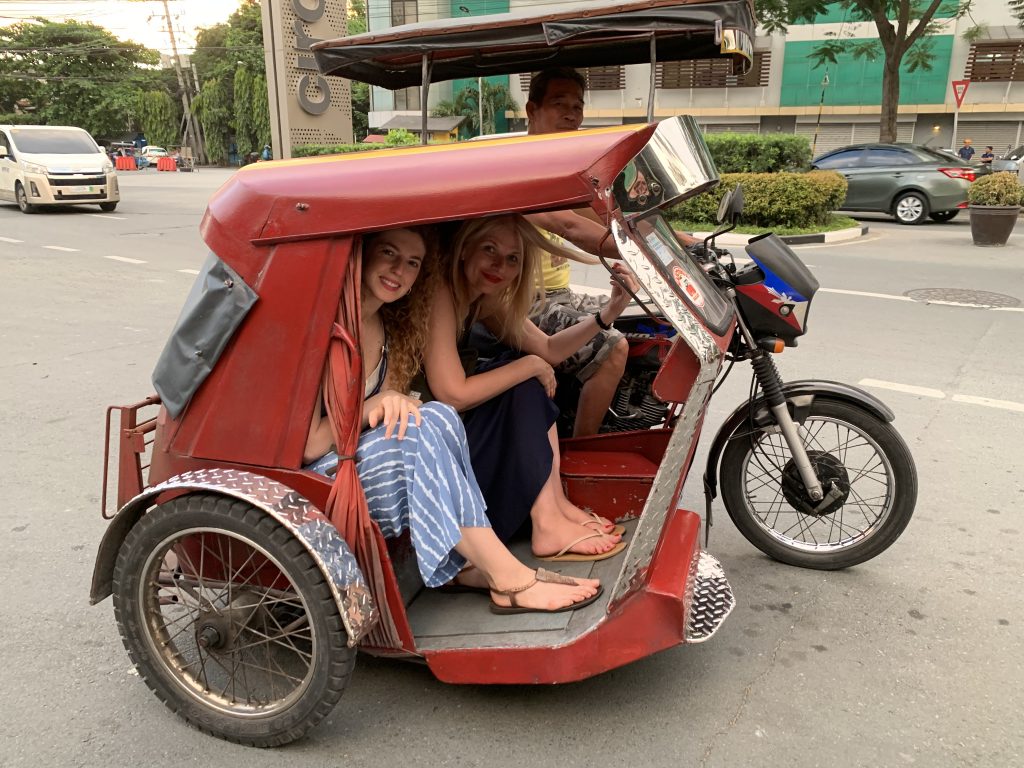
[860,455]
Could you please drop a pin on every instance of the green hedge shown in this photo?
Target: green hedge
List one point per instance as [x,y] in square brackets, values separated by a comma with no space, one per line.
[772,199]
[312,150]
[759,153]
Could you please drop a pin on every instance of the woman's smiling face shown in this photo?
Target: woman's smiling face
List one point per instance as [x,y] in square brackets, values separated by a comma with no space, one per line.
[493,260]
[392,263]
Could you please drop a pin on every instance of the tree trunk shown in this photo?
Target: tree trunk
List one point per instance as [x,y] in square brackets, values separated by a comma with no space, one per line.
[890,99]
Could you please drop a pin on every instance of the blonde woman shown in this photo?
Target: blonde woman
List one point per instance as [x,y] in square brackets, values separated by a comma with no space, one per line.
[412,459]
[492,277]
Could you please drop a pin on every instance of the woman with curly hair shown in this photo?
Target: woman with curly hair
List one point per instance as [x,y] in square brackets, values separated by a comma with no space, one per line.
[493,278]
[412,459]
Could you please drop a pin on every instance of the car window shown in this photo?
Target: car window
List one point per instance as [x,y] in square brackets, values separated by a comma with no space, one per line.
[877,156]
[843,159]
[5,143]
[929,154]
[56,141]
[1015,154]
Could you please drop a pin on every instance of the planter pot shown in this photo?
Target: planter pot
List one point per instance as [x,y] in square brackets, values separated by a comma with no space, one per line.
[991,225]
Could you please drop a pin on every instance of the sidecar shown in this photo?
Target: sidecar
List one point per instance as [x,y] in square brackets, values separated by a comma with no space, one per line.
[239,600]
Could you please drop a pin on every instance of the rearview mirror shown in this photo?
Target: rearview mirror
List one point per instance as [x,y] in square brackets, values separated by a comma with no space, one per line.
[731,207]
[3,151]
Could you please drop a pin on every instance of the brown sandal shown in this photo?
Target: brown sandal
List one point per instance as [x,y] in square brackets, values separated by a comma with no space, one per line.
[548,577]
[565,556]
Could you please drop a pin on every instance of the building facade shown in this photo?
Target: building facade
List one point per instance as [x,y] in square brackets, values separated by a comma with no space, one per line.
[783,91]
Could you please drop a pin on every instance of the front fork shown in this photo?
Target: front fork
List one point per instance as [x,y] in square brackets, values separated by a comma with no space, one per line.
[771,384]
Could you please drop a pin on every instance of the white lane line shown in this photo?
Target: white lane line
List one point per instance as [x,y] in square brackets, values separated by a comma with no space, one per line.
[1008,309]
[866,293]
[60,248]
[988,402]
[909,389]
[189,271]
[833,245]
[125,259]
[10,240]
[107,216]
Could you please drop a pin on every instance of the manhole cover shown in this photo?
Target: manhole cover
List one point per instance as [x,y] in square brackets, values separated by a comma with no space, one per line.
[963,296]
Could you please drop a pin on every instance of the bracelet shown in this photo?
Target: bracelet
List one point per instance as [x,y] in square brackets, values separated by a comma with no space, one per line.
[600,322]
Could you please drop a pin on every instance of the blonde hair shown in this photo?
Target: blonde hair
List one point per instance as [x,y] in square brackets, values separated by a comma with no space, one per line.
[511,307]
[407,320]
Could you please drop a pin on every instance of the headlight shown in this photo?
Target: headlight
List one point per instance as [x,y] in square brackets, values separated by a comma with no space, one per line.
[34,168]
[108,167]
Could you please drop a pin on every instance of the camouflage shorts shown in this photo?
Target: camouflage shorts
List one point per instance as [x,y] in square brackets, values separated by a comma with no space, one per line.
[563,308]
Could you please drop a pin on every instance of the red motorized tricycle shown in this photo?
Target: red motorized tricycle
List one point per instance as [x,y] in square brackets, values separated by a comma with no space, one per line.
[242,604]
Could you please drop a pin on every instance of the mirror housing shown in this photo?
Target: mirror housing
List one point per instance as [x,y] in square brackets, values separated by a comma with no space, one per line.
[3,152]
[731,207]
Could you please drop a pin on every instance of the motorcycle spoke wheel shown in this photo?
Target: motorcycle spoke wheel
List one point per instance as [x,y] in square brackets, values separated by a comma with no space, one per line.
[863,457]
[230,621]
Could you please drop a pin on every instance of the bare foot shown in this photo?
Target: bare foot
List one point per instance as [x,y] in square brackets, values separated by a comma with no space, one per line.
[556,532]
[471,576]
[545,596]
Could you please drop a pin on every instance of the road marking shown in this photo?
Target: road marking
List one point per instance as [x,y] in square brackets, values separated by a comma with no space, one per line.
[107,216]
[10,240]
[189,271]
[1008,309]
[125,259]
[833,245]
[866,293]
[60,248]
[988,402]
[909,389]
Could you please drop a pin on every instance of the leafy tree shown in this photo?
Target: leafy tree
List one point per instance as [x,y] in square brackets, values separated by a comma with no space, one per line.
[230,61]
[496,99]
[76,73]
[355,24]
[400,137]
[904,27]
[213,106]
[1017,9]
[158,118]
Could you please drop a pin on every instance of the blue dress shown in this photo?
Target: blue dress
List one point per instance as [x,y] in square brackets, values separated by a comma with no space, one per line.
[423,483]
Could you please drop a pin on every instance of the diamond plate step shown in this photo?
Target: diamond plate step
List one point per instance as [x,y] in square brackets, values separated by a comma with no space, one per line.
[712,600]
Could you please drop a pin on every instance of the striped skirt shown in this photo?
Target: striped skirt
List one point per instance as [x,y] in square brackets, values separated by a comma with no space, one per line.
[423,483]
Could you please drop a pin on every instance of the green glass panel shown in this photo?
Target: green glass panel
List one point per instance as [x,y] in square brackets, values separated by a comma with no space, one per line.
[858,82]
[836,13]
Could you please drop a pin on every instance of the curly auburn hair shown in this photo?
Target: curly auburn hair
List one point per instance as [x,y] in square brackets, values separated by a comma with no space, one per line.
[511,307]
[406,321]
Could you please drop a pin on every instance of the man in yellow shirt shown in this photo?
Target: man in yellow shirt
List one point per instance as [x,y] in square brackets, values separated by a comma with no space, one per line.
[554,105]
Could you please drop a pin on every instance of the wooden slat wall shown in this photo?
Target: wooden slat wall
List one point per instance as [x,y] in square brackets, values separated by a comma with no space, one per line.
[995,62]
[598,78]
[713,73]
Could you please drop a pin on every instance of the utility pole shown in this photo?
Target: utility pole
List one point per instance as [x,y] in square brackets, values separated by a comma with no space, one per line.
[191,134]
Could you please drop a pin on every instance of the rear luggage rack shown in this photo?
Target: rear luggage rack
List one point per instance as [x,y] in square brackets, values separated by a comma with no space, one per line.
[134,451]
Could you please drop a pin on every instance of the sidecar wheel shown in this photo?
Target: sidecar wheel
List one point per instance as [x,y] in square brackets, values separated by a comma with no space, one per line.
[863,456]
[229,620]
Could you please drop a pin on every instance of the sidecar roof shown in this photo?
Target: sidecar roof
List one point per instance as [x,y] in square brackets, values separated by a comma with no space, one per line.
[273,202]
[603,32]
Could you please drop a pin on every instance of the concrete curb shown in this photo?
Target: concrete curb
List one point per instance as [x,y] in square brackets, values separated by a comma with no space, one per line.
[837,236]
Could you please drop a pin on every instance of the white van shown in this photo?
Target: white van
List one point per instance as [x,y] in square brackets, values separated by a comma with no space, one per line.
[54,165]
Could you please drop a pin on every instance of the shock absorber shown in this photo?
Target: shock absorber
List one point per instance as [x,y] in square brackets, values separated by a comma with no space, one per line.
[768,377]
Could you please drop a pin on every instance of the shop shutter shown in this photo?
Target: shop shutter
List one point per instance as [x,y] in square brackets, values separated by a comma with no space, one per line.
[864,133]
[731,128]
[1000,134]
[830,136]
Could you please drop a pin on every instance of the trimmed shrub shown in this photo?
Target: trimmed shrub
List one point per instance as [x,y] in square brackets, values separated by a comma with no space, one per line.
[772,199]
[312,150]
[996,189]
[759,153]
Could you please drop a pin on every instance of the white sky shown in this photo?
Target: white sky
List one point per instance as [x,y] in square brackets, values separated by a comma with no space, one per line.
[141,22]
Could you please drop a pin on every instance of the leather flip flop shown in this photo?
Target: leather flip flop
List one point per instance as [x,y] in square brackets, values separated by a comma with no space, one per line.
[549,577]
[596,519]
[565,556]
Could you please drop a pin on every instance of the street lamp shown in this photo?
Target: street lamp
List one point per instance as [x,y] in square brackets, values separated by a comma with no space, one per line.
[479,87]
[821,103]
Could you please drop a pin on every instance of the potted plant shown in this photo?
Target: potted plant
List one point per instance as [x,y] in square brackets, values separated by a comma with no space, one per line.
[995,202]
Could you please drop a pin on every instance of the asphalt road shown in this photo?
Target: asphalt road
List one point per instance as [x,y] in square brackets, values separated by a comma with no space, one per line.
[911,659]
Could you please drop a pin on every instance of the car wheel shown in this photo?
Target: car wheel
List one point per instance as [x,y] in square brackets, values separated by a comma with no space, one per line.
[910,208]
[108,207]
[22,197]
[943,215]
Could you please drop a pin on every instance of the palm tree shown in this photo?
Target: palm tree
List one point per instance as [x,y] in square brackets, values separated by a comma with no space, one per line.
[496,99]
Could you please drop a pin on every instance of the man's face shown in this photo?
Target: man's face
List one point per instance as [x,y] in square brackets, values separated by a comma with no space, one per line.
[560,110]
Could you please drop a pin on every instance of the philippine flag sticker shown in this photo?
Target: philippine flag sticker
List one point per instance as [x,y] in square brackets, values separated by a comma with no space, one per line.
[683,281]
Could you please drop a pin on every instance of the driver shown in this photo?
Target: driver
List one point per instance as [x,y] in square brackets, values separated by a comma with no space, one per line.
[554,105]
